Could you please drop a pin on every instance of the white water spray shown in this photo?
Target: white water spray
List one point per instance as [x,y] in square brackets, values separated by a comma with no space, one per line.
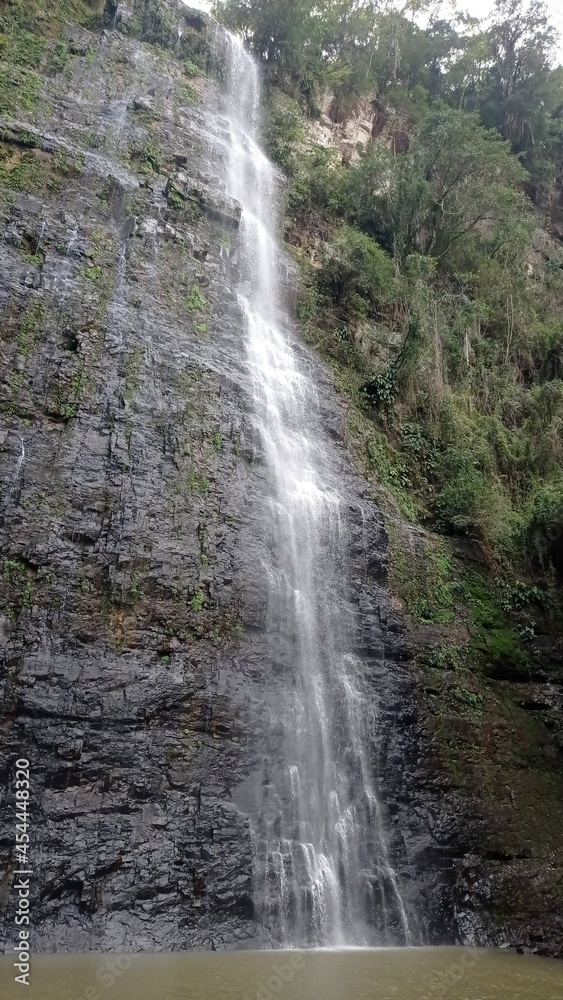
[324,873]
[20,463]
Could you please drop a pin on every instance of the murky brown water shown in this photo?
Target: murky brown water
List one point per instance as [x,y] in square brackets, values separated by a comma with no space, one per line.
[387,974]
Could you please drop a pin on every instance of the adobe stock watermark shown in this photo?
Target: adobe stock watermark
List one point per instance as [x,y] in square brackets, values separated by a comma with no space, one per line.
[107,975]
[22,873]
[283,973]
[441,981]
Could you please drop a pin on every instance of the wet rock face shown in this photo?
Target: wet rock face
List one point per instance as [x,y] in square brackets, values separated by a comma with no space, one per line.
[130,579]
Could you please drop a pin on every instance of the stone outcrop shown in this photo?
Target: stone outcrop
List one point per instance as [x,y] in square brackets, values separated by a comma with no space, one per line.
[353,129]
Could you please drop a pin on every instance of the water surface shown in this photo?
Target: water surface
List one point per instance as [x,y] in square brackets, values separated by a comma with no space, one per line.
[350,974]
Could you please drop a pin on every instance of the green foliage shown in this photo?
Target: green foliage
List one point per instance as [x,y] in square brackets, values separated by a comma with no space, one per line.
[543,522]
[27,49]
[198,50]
[426,582]
[93,273]
[19,90]
[16,578]
[67,163]
[197,484]
[502,647]
[198,600]
[195,300]
[455,189]
[477,594]
[284,131]
[317,184]
[175,200]
[133,371]
[30,46]
[23,172]
[134,593]
[469,702]
[155,23]
[13,571]
[435,245]
[465,499]
[57,58]
[25,139]
[186,94]
[191,68]
[286,35]
[30,328]
[356,273]
[435,241]
[467,183]
[147,157]
[382,387]
[448,657]
[519,595]
[391,470]
[520,41]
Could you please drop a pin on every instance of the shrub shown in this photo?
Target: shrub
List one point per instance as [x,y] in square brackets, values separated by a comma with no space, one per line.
[543,524]
[357,274]
[284,132]
[195,300]
[317,184]
[464,503]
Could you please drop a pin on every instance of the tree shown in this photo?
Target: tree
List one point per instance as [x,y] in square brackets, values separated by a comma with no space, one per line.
[458,180]
[521,41]
[285,34]
[470,180]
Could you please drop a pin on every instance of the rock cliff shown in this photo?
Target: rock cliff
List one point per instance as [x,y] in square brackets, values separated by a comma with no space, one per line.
[134,648]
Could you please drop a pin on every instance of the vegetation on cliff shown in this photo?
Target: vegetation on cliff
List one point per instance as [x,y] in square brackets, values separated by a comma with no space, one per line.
[432,263]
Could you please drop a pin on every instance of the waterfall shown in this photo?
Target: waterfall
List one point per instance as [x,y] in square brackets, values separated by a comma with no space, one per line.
[20,462]
[323,869]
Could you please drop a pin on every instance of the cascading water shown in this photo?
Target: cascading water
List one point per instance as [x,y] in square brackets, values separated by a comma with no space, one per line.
[323,868]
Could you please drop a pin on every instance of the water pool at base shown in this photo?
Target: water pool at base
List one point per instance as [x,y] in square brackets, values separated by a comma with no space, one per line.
[349,974]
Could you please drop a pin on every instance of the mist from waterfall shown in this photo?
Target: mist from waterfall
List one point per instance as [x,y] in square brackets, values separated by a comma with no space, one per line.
[323,870]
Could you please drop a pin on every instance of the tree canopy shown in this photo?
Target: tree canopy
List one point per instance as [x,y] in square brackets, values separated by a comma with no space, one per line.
[504,70]
[448,247]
